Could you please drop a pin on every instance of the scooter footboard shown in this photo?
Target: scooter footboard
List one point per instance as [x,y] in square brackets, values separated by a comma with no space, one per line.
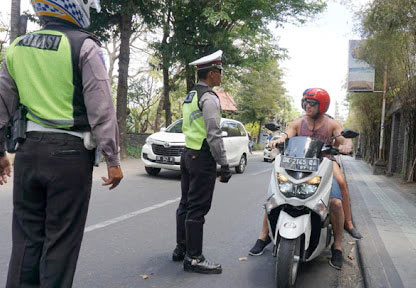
[292,227]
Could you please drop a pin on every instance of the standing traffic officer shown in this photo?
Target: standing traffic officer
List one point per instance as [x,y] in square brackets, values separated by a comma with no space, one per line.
[204,149]
[58,76]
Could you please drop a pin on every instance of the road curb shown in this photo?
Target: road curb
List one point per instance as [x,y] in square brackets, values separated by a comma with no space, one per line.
[361,261]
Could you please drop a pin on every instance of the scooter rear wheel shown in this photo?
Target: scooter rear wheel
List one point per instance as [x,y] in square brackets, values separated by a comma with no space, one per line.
[287,262]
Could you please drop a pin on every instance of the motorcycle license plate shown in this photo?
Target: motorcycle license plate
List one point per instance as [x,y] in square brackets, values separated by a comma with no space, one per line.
[165,159]
[299,164]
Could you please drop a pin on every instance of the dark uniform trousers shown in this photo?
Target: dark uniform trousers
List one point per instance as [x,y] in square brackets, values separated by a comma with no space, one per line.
[198,169]
[51,193]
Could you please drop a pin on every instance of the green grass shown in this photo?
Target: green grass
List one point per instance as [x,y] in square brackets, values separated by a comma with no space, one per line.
[134,151]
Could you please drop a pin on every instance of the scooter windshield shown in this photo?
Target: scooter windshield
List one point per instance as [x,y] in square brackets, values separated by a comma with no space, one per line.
[303,147]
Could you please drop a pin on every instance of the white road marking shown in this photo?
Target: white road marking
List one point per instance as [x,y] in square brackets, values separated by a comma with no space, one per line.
[129,215]
[261,172]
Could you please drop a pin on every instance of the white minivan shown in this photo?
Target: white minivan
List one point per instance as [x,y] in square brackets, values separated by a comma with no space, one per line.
[163,149]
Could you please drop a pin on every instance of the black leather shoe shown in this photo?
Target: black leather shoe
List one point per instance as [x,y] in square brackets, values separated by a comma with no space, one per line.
[201,265]
[178,254]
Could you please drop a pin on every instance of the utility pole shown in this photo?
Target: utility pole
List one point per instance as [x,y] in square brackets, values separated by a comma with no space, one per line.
[380,164]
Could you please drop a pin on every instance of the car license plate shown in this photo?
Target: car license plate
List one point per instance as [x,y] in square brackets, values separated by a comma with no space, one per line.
[165,159]
[299,164]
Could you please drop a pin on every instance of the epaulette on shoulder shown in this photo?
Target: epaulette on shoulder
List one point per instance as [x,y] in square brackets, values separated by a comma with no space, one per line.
[92,36]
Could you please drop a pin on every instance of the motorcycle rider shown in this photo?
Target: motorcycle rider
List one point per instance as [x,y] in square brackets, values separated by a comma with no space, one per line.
[316,124]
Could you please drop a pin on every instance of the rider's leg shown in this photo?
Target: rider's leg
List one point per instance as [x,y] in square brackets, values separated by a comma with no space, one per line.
[263,239]
[339,176]
[337,221]
[264,233]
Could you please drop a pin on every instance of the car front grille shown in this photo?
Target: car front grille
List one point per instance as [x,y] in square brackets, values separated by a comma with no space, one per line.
[167,151]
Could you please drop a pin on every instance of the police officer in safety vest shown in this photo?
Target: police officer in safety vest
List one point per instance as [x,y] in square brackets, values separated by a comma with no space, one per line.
[204,149]
[58,75]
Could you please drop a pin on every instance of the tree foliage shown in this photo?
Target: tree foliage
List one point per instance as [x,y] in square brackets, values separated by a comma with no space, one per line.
[389,28]
[191,29]
[261,95]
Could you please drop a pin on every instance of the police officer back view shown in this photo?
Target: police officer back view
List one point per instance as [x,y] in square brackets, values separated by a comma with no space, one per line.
[59,75]
[204,149]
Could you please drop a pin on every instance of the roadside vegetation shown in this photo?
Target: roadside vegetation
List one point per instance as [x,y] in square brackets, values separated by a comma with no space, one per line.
[389,28]
[134,151]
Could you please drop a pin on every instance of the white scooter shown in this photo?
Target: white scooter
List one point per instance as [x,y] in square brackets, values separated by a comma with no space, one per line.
[298,204]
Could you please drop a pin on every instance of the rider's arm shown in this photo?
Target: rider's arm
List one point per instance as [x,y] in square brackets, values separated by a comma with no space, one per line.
[344,145]
[291,131]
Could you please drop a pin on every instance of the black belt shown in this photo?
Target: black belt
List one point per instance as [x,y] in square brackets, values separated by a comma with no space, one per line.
[52,136]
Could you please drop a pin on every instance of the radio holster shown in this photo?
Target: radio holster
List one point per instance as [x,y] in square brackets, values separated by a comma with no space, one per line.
[16,129]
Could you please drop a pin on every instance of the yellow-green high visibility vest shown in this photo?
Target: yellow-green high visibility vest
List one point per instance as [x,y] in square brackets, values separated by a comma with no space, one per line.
[193,125]
[45,67]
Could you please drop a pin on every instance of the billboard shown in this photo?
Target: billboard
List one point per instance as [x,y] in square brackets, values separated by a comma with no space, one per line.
[360,74]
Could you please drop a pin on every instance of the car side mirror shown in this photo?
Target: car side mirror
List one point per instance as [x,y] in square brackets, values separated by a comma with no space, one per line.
[224,133]
[347,133]
[162,129]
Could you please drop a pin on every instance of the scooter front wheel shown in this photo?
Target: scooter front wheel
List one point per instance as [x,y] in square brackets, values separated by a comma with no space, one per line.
[287,262]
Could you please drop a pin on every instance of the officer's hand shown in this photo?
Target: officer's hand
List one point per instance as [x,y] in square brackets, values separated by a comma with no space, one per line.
[114,177]
[225,174]
[5,169]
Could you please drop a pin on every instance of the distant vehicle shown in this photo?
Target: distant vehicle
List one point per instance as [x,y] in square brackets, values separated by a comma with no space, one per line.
[268,153]
[163,149]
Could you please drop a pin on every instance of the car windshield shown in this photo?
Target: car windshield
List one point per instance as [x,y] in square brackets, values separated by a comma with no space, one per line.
[175,127]
[303,147]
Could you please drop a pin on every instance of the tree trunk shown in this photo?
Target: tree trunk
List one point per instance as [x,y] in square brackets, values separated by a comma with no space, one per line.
[166,90]
[165,66]
[258,135]
[14,20]
[159,114]
[125,32]
[190,78]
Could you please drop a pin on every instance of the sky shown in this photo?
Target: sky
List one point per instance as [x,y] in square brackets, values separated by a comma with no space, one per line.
[317,50]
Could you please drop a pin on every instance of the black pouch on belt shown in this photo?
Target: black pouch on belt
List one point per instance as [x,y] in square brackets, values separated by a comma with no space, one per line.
[16,129]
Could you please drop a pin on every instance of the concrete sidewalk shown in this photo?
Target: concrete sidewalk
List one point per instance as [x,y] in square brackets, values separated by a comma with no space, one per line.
[384,211]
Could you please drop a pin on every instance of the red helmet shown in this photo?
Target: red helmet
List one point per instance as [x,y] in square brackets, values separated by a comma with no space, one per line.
[319,95]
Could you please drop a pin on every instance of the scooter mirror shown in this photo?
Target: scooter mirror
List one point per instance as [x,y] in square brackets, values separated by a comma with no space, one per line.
[272,126]
[347,133]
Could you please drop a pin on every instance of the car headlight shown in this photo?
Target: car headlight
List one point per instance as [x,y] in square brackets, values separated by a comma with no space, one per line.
[302,191]
[149,140]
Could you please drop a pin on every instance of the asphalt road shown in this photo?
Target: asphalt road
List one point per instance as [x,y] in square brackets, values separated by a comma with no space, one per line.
[131,232]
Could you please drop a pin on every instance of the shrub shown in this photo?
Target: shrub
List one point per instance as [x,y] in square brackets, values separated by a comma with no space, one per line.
[134,151]
[257,147]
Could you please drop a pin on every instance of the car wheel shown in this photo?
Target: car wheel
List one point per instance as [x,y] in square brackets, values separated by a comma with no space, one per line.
[152,171]
[242,165]
[266,160]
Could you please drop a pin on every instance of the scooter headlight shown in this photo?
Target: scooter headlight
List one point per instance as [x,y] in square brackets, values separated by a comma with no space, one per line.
[302,191]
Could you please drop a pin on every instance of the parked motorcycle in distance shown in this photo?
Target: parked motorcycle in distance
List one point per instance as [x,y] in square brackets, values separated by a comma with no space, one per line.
[298,204]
